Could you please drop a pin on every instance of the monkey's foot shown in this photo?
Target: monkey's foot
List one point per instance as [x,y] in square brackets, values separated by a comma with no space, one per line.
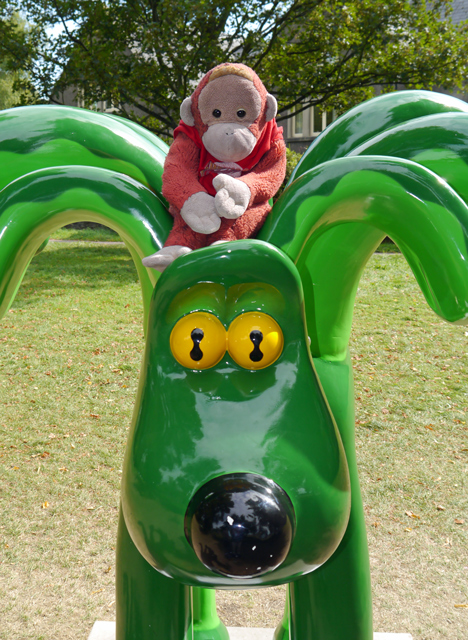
[165,256]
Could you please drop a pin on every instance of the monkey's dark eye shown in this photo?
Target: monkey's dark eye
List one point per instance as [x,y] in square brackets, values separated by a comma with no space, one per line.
[217,113]
[241,113]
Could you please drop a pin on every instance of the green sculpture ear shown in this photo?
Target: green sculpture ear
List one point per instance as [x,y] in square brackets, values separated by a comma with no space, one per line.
[334,215]
[115,180]
[367,120]
[331,226]
[34,206]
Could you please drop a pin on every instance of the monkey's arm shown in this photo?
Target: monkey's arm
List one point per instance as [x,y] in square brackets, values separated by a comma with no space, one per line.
[180,177]
[267,176]
[182,189]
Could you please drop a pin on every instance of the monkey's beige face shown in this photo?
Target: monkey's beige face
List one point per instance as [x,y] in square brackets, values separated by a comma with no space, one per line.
[230,99]
[229,105]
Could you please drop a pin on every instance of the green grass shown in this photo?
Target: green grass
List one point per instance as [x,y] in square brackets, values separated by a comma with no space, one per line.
[412,441]
[93,234]
[69,363]
[71,349]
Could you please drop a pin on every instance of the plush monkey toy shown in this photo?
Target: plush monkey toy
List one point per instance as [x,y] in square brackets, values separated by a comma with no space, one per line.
[227,160]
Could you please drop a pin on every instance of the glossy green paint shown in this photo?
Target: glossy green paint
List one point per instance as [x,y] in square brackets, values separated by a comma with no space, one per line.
[206,622]
[60,165]
[148,604]
[446,153]
[404,176]
[345,208]
[33,206]
[370,118]
[343,582]
[33,138]
[192,426]
[330,221]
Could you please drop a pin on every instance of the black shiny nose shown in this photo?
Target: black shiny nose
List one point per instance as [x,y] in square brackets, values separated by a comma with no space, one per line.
[240,525]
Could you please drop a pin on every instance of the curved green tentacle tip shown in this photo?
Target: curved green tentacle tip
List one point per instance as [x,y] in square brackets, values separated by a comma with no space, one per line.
[37,204]
[39,137]
[439,142]
[370,118]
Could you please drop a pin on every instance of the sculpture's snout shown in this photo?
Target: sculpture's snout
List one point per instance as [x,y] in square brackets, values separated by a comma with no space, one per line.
[240,525]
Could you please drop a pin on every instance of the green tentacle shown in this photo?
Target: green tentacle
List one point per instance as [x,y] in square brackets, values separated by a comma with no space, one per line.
[33,206]
[371,118]
[331,219]
[438,142]
[33,138]
[141,131]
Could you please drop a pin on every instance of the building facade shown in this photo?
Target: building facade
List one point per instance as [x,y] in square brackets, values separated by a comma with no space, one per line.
[300,130]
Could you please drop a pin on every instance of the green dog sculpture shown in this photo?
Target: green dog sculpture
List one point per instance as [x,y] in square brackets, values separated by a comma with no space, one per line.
[240,469]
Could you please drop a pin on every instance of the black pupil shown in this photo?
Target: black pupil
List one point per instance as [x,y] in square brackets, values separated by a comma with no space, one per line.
[217,113]
[241,113]
[197,336]
[256,337]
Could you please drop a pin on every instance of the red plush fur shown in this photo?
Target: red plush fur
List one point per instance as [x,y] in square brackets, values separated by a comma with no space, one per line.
[181,179]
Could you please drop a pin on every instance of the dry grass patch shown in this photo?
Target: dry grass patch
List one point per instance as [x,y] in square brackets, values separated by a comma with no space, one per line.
[69,363]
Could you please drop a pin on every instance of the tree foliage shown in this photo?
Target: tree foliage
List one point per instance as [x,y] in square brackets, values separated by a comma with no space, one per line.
[12,76]
[8,96]
[146,56]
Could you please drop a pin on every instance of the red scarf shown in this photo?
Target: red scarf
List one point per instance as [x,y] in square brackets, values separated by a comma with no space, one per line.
[270,134]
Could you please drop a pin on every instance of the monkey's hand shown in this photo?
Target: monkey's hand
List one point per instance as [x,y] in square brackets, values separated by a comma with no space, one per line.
[232,198]
[199,212]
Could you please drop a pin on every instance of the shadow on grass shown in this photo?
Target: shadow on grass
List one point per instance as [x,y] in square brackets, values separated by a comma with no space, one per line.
[63,267]
[97,233]
[388,246]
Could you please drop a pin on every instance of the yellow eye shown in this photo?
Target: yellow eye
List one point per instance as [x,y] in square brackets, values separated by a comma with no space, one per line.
[198,340]
[255,340]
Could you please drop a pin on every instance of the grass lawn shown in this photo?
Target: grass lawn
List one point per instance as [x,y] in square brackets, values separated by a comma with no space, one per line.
[69,364]
[93,234]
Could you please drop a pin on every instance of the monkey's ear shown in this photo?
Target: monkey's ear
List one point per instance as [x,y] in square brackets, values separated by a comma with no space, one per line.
[271,107]
[186,112]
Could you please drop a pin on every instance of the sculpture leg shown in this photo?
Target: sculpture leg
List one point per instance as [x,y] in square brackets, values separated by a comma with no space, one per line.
[206,623]
[334,602]
[282,630]
[149,605]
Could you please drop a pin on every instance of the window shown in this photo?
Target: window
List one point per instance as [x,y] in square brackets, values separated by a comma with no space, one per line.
[317,120]
[298,124]
[310,122]
[320,120]
[103,106]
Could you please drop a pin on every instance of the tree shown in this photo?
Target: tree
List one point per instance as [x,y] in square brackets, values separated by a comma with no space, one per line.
[145,56]
[8,96]
[13,79]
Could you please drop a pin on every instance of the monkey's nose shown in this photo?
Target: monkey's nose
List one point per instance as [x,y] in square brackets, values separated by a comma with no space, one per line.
[240,525]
